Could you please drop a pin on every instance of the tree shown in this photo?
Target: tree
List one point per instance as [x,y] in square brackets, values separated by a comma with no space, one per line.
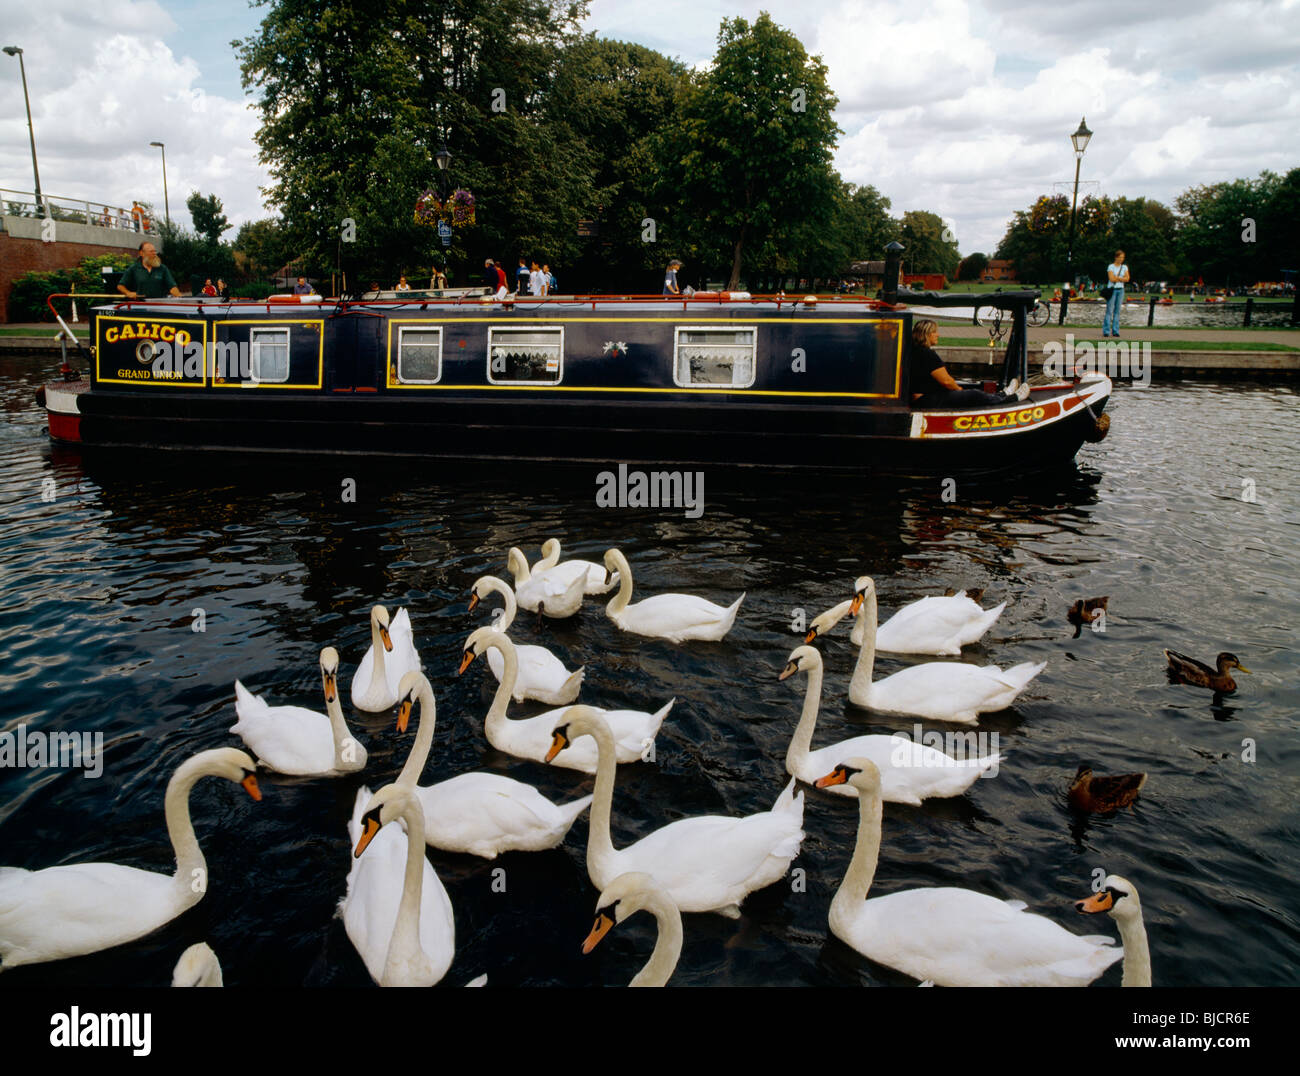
[972,266]
[261,248]
[928,251]
[1213,228]
[1279,230]
[751,154]
[206,211]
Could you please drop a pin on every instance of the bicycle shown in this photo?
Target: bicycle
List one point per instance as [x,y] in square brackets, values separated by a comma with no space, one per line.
[1038,315]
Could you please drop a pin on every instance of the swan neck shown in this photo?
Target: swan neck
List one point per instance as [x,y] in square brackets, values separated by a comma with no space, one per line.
[600,846]
[801,743]
[191,869]
[380,673]
[1137,954]
[668,946]
[619,601]
[512,607]
[338,726]
[405,942]
[861,682]
[410,775]
[495,722]
[866,853]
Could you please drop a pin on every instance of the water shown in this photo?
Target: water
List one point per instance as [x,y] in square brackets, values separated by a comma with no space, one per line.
[1201,315]
[98,590]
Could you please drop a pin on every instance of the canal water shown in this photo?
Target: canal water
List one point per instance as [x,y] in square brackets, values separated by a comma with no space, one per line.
[1186,517]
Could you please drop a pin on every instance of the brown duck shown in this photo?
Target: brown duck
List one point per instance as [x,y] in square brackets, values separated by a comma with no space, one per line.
[1086,610]
[1100,794]
[1185,670]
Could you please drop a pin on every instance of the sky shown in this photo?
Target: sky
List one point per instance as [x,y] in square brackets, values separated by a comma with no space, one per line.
[960,107]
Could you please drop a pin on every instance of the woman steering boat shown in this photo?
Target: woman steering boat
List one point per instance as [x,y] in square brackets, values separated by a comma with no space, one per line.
[938,389]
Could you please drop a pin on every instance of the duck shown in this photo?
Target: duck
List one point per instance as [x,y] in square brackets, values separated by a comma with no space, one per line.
[634,730]
[598,581]
[933,625]
[1087,610]
[542,676]
[1098,795]
[391,656]
[709,863]
[678,618]
[635,892]
[1119,898]
[396,912]
[297,741]
[542,592]
[482,814]
[198,966]
[82,908]
[946,935]
[941,690]
[1185,670]
[911,772]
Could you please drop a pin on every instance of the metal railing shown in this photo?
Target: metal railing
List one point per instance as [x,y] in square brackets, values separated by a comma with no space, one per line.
[72,210]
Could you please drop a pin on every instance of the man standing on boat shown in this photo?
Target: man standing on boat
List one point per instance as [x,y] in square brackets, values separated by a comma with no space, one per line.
[302,287]
[147,277]
[670,278]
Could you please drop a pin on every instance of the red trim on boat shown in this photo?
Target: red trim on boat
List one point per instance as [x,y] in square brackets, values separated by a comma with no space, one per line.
[65,427]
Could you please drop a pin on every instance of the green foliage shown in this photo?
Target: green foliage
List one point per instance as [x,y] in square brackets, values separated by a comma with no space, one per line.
[27,299]
[1212,226]
[972,266]
[927,250]
[261,248]
[192,258]
[207,213]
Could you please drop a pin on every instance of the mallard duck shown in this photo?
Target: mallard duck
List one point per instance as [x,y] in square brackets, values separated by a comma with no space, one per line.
[1101,794]
[1185,670]
[1086,610]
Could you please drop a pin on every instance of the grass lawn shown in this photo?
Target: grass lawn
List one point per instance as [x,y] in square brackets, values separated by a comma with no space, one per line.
[43,330]
[1163,345]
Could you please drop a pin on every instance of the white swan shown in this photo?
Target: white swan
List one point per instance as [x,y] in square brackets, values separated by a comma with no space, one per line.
[298,741]
[675,617]
[542,592]
[391,656]
[953,937]
[1119,897]
[637,892]
[483,814]
[934,625]
[706,864]
[198,966]
[634,730]
[910,772]
[542,676]
[85,907]
[396,912]
[942,690]
[597,579]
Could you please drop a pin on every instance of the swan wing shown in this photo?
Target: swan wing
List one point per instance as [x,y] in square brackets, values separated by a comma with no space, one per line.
[404,658]
[948,690]
[679,617]
[488,811]
[935,625]
[909,772]
[289,739]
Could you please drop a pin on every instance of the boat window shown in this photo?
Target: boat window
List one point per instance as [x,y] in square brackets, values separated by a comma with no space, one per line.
[525,356]
[419,355]
[269,350]
[715,358]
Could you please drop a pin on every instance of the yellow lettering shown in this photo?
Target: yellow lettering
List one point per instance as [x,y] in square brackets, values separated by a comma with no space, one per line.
[167,333]
[1039,412]
[182,337]
[110,335]
[961,424]
[127,333]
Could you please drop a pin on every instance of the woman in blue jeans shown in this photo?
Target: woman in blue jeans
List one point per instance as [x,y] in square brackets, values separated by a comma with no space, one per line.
[1118,275]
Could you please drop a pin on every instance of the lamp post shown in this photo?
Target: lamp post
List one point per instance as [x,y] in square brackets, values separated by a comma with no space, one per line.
[167,211]
[14,50]
[1080,141]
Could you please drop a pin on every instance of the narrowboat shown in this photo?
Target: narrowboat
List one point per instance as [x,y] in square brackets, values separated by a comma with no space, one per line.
[724,379]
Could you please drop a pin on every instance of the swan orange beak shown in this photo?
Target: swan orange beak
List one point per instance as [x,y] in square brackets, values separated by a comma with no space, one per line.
[331,688]
[558,743]
[812,634]
[604,923]
[465,661]
[790,669]
[386,639]
[403,715]
[367,834]
[856,604]
[1098,902]
[837,776]
[473,600]
[249,785]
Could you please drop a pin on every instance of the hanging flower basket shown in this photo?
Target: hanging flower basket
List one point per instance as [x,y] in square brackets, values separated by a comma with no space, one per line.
[1049,214]
[428,209]
[457,210]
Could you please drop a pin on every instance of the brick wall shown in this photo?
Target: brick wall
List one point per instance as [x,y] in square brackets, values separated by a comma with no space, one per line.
[19,256]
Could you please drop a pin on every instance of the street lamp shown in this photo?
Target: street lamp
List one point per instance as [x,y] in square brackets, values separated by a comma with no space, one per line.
[14,50]
[166,205]
[1080,140]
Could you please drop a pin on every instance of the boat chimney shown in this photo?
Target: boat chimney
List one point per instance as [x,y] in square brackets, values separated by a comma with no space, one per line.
[893,259]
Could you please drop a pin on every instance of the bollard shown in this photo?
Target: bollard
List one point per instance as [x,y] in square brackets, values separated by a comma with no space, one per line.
[1151,311]
[1250,305]
[1065,303]
[893,259]
[1295,308]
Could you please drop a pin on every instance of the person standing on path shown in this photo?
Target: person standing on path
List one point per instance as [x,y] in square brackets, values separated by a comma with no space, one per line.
[1118,275]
